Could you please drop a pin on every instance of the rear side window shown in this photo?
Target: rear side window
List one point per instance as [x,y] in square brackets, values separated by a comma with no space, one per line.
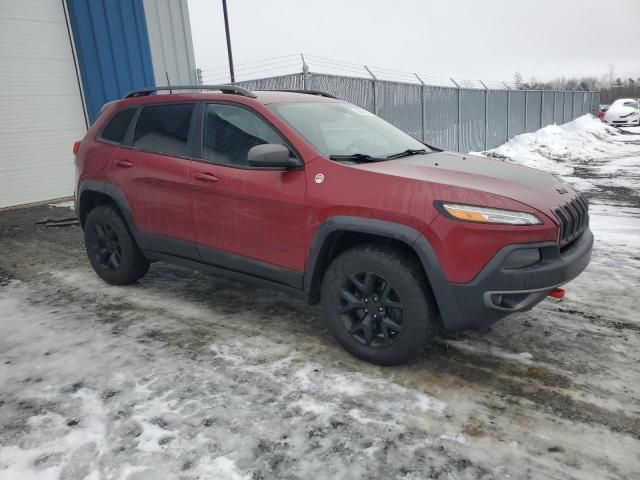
[164,129]
[117,127]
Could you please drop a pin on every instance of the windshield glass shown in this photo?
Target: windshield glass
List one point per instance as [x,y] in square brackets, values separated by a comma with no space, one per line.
[336,129]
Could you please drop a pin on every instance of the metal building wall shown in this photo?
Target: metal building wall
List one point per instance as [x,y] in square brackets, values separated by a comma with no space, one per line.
[41,110]
[170,41]
[112,48]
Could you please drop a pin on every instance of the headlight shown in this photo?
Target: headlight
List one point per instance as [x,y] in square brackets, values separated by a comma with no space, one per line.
[474,213]
[628,114]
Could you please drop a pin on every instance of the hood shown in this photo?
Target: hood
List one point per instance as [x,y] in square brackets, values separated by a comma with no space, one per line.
[532,187]
[616,111]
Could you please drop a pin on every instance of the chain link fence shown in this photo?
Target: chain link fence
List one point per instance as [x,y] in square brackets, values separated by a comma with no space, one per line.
[462,119]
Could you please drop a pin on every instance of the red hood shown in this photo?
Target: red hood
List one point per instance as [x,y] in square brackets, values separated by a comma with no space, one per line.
[532,187]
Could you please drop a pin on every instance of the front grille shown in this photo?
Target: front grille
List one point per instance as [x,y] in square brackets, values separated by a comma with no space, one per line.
[574,218]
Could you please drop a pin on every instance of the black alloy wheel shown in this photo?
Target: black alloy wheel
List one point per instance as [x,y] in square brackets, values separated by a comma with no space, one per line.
[371,309]
[107,247]
[377,304]
[112,250]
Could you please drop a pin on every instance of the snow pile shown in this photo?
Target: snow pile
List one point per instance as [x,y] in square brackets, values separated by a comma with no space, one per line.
[558,149]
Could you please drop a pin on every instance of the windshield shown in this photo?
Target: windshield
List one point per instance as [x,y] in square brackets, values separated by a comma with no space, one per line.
[626,103]
[342,129]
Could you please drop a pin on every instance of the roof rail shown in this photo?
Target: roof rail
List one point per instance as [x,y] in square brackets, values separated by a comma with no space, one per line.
[223,88]
[308,92]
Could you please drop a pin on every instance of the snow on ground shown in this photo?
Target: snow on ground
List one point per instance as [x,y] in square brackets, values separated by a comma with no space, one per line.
[196,377]
[586,152]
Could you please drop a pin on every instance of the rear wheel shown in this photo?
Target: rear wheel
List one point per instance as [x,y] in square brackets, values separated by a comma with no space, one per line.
[377,304]
[112,251]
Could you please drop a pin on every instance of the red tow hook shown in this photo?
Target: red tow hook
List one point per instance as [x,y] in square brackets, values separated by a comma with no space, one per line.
[557,293]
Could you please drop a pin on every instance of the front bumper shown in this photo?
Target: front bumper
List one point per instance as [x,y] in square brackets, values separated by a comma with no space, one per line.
[622,122]
[497,291]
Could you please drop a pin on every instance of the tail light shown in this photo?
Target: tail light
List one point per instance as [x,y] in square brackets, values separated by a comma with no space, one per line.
[76,147]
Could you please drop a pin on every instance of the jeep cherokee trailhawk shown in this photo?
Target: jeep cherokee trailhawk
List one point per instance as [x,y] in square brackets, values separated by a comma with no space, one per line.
[318,197]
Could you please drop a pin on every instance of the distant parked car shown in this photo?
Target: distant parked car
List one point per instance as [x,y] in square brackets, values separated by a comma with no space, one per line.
[624,112]
[601,111]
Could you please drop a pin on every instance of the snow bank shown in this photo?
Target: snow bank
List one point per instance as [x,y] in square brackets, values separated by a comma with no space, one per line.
[585,152]
[558,148]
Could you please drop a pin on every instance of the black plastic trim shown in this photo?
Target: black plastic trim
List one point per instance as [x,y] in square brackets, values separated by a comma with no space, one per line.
[556,267]
[223,272]
[229,89]
[178,248]
[250,266]
[120,200]
[411,237]
[160,244]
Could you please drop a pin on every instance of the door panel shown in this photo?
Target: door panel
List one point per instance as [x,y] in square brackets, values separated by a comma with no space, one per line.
[157,163]
[256,214]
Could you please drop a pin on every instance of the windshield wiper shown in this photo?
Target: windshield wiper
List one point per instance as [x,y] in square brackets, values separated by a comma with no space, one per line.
[408,152]
[358,157]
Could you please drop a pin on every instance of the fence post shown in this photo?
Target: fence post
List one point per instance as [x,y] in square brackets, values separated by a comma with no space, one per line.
[422,110]
[459,116]
[508,106]
[375,94]
[526,109]
[305,73]
[541,107]
[573,104]
[199,75]
[486,114]
[554,107]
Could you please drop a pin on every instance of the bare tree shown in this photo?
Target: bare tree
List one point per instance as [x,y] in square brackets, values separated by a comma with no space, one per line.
[517,80]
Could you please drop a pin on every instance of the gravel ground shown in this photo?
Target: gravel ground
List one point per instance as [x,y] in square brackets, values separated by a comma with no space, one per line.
[190,376]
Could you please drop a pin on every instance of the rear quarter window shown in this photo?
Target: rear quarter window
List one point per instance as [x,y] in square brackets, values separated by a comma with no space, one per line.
[117,127]
[164,129]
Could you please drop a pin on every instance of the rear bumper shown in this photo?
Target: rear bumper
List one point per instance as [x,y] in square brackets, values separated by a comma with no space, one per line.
[497,291]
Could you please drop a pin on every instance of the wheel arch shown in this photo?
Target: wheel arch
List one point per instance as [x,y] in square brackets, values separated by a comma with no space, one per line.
[93,193]
[326,245]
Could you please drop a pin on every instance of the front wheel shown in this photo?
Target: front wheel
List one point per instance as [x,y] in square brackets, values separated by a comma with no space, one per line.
[112,250]
[377,304]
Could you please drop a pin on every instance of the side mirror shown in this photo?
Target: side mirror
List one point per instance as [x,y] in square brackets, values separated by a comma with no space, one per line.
[270,155]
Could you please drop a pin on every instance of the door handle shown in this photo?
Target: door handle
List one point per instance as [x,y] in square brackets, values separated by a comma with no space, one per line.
[124,163]
[206,177]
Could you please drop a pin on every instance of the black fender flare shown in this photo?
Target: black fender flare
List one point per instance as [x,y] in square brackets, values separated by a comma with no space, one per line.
[411,237]
[118,197]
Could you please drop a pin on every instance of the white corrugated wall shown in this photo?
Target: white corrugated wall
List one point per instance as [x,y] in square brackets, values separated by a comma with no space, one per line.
[170,41]
[41,111]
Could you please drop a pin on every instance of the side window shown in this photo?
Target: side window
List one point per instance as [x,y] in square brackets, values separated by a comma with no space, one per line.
[116,129]
[230,132]
[164,129]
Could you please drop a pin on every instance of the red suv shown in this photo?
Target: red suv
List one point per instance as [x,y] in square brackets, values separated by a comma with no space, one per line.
[318,197]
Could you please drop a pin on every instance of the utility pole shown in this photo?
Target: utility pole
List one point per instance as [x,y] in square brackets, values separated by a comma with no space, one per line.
[226,28]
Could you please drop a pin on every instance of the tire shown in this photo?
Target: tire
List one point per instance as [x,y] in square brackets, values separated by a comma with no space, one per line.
[112,251]
[398,296]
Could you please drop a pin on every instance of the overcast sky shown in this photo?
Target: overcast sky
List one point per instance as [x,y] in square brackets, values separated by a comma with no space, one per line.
[467,39]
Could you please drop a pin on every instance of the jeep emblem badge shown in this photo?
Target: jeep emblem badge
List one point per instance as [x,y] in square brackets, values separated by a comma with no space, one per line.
[319,178]
[562,190]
